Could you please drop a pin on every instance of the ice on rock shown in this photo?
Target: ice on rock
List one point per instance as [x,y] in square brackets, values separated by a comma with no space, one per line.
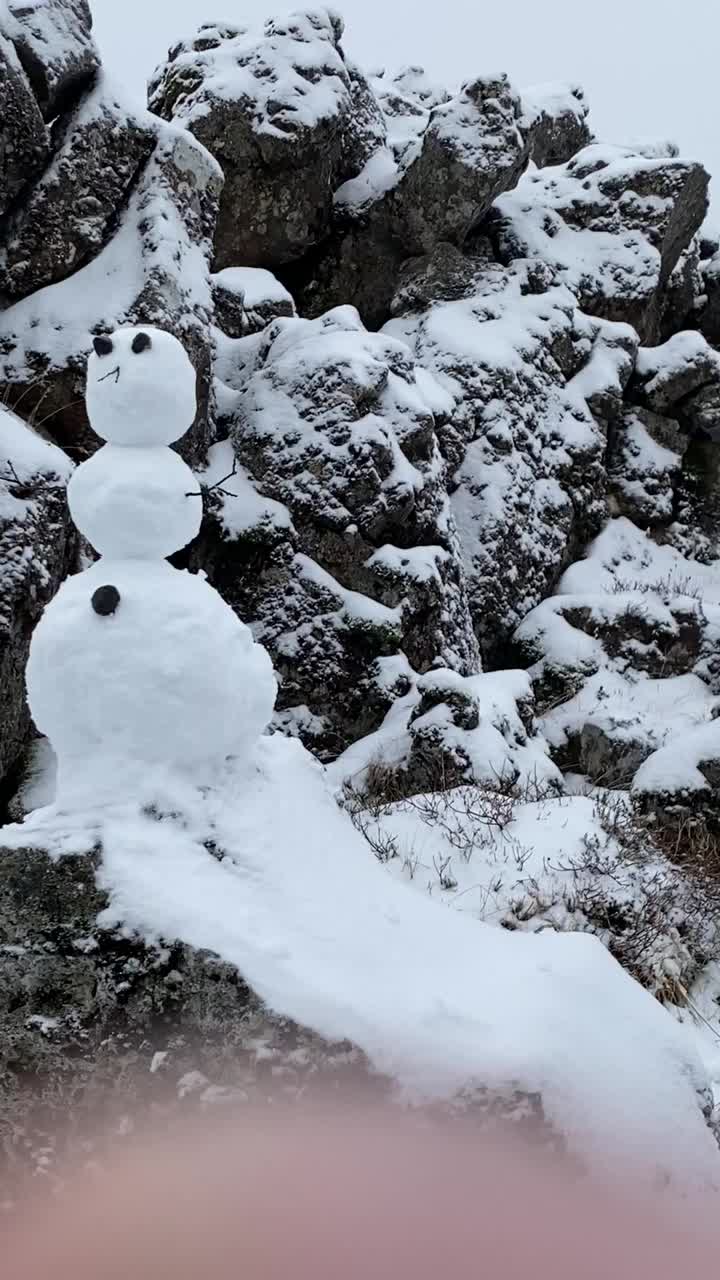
[140,387]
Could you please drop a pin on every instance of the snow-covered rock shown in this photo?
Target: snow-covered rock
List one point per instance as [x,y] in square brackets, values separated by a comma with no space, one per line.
[555,115]
[54,43]
[644,462]
[342,510]
[154,269]
[268,873]
[526,454]
[432,187]
[667,376]
[684,773]
[449,729]
[247,299]
[36,550]
[24,140]
[274,108]
[709,314]
[65,217]
[612,223]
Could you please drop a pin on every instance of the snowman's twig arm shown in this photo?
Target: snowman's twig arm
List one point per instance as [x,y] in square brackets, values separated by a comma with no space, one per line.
[218,485]
[12,476]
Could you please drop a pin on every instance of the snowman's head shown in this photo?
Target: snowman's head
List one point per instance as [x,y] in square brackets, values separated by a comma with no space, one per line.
[140,387]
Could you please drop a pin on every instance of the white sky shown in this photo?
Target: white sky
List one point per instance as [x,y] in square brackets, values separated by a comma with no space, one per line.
[649,67]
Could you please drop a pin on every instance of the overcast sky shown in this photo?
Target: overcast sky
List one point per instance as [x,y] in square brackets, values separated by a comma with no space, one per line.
[649,67]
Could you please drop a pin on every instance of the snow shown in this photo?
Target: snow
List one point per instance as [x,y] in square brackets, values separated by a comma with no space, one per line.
[140,396]
[379,174]
[436,999]
[625,558]
[29,453]
[131,502]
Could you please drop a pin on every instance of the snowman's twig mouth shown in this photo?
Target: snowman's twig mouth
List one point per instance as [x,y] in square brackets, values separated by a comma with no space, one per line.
[114,373]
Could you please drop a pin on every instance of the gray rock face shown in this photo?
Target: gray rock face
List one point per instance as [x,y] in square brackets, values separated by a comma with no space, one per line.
[53,39]
[37,544]
[667,375]
[64,218]
[24,140]
[613,223]
[275,111]
[682,299]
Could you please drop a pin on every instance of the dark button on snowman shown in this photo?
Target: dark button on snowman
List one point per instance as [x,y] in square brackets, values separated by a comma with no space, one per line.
[135,665]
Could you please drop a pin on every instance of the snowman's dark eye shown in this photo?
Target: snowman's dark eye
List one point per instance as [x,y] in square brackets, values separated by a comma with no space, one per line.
[141,342]
[103,346]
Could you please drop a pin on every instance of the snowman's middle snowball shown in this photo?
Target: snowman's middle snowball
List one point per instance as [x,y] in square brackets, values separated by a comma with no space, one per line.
[135,502]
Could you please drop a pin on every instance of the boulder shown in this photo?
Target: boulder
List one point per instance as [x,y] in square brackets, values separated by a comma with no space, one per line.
[682,778]
[555,118]
[24,139]
[450,730]
[154,269]
[434,188]
[37,545]
[53,39]
[275,109]
[247,299]
[472,150]
[667,375]
[612,222]
[65,218]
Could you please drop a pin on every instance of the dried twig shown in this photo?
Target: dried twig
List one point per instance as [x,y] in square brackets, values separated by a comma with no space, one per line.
[217,487]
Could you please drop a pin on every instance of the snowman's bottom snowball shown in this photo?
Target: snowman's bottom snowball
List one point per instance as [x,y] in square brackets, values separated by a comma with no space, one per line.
[172,678]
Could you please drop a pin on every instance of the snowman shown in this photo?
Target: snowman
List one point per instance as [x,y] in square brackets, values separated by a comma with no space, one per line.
[138,669]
